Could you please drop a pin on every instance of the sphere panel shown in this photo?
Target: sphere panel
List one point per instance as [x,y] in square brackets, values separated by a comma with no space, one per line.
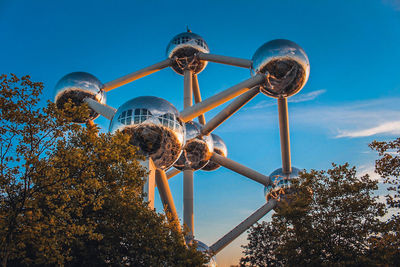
[154,127]
[286,67]
[280,183]
[197,151]
[77,86]
[219,148]
[205,249]
[184,48]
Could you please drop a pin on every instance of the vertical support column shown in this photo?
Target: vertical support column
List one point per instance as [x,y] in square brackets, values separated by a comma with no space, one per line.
[284,133]
[187,88]
[188,215]
[150,184]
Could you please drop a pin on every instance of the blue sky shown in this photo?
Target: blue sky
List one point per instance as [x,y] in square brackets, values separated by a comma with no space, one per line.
[352,96]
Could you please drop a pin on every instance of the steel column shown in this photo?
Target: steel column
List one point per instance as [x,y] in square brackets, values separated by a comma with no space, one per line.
[234,61]
[188,212]
[197,97]
[229,110]
[137,75]
[284,133]
[192,112]
[243,226]
[104,110]
[241,169]
[172,172]
[166,197]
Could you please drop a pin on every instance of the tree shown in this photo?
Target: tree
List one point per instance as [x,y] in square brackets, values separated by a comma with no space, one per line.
[71,196]
[388,167]
[331,219]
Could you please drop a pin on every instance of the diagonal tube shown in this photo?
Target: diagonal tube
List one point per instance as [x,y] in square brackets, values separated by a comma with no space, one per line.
[192,112]
[241,169]
[224,114]
[243,226]
[234,61]
[166,197]
[102,109]
[172,172]
[197,97]
[137,75]
[284,133]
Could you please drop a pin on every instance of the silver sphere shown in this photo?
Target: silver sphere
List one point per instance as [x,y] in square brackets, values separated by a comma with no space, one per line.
[154,126]
[286,65]
[77,86]
[197,150]
[219,148]
[205,249]
[184,48]
[280,183]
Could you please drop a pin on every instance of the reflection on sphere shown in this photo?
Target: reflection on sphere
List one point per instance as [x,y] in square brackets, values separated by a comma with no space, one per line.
[280,183]
[286,67]
[154,126]
[184,47]
[77,86]
[219,148]
[205,249]
[197,150]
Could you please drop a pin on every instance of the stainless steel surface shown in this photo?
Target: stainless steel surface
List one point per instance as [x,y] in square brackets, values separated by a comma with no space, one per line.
[197,97]
[137,75]
[102,109]
[149,186]
[183,49]
[234,61]
[197,150]
[172,172]
[241,169]
[219,148]
[187,88]
[77,86]
[154,126]
[188,212]
[242,227]
[286,65]
[166,197]
[224,114]
[284,134]
[280,184]
[192,112]
[206,250]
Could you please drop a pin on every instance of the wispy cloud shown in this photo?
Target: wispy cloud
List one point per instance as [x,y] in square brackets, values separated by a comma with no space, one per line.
[295,99]
[306,97]
[348,119]
[393,3]
[370,170]
[392,127]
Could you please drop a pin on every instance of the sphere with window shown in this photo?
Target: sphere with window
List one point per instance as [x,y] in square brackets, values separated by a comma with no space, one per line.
[154,126]
[183,49]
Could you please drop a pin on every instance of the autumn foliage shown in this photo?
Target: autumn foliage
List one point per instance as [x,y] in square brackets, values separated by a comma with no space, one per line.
[72,196]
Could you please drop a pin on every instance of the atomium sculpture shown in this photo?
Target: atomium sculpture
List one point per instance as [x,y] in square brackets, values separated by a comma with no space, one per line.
[172,142]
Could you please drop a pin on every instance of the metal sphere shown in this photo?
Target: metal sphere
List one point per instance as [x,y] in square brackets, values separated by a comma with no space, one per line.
[219,148]
[154,126]
[77,86]
[205,249]
[184,47]
[280,183]
[197,150]
[286,66]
